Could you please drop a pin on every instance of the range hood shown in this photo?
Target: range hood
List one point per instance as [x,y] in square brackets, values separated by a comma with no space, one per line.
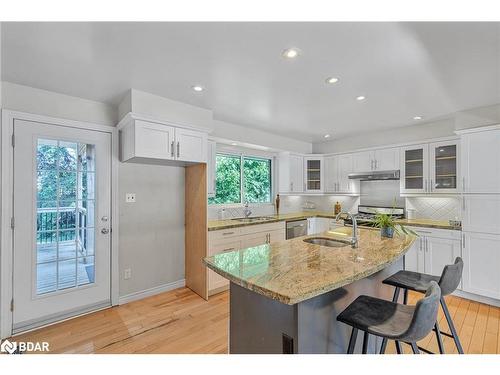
[375,175]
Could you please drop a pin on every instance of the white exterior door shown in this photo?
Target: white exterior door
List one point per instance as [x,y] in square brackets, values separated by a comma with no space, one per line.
[62,211]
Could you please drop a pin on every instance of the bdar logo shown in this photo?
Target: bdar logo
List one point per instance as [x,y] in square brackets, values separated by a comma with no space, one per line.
[8,347]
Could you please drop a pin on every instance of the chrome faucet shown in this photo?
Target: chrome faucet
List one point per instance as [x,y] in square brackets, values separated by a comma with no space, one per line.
[354,238]
[247,211]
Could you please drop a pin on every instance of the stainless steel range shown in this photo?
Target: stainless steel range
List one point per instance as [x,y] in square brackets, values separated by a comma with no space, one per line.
[366,214]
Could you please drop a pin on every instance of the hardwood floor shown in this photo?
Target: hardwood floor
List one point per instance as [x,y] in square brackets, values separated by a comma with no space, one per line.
[181,322]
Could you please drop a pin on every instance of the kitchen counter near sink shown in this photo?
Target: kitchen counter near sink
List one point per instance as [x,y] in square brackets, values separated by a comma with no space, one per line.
[292,271]
[284,296]
[232,223]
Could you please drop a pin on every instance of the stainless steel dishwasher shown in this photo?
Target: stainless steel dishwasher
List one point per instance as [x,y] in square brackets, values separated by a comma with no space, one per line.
[296,228]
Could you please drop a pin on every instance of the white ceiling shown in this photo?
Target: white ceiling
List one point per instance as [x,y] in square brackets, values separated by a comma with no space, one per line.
[403,69]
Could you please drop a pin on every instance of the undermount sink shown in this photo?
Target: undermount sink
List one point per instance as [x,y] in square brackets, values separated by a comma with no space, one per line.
[253,219]
[324,241]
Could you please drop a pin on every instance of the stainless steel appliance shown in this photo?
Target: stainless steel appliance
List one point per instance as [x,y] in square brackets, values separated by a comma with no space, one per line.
[375,175]
[296,228]
[366,214]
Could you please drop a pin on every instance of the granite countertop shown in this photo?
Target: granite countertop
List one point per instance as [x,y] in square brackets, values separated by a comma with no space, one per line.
[293,271]
[227,224]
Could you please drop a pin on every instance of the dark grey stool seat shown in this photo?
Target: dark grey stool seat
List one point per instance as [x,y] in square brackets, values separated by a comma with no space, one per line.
[420,282]
[391,320]
[416,281]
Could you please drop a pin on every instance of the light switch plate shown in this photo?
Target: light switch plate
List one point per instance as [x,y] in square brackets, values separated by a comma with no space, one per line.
[130,197]
[127,273]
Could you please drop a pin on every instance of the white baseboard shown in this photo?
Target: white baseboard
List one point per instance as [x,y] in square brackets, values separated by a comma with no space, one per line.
[151,292]
[477,298]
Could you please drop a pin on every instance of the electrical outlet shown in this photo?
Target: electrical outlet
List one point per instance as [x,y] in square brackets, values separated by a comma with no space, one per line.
[130,197]
[127,273]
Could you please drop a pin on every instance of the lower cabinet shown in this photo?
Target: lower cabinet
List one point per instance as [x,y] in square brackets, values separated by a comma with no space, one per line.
[481,254]
[317,225]
[433,250]
[221,241]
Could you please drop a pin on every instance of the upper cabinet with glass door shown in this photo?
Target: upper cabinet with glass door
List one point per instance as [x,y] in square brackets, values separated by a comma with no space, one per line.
[444,167]
[430,168]
[313,168]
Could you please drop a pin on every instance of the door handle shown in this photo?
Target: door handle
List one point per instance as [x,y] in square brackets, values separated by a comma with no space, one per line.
[178,149]
[104,230]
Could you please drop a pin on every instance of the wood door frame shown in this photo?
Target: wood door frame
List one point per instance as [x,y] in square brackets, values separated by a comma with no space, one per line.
[7,181]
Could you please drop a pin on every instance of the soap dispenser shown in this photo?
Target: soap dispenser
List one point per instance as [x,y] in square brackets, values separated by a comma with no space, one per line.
[337,208]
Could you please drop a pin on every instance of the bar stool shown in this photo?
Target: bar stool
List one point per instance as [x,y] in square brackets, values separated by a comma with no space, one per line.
[419,282]
[391,320]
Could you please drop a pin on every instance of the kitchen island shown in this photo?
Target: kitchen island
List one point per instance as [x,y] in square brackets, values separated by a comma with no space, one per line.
[285,297]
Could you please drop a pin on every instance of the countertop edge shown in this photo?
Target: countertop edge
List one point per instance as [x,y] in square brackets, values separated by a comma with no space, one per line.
[292,301]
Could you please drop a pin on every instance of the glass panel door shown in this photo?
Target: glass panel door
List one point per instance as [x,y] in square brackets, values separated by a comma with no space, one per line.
[414,169]
[65,213]
[445,167]
[313,174]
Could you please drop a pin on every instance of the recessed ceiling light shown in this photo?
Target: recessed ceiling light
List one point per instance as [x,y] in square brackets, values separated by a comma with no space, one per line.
[198,88]
[234,144]
[417,118]
[327,135]
[290,53]
[361,97]
[332,80]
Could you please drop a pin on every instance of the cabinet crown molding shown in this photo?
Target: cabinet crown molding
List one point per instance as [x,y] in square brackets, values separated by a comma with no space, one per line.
[131,116]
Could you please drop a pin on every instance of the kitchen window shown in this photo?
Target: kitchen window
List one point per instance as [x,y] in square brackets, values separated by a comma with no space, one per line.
[242,178]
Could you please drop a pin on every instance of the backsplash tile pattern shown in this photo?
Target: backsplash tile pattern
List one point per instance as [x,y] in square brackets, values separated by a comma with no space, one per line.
[435,208]
[289,204]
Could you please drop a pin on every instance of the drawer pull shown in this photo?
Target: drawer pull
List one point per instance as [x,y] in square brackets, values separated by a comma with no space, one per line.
[227,233]
[228,249]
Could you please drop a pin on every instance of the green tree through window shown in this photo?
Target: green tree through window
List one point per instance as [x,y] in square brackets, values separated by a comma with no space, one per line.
[256,180]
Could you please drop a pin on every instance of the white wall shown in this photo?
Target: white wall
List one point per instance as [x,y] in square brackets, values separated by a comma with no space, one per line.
[42,102]
[413,133]
[161,108]
[152,229]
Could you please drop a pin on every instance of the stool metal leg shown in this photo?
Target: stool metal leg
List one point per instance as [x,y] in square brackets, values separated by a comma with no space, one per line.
[398,347]
[352,341]
[452,326]
[439,338]
[366,337]
[405,297]
[414,347]
[395,300]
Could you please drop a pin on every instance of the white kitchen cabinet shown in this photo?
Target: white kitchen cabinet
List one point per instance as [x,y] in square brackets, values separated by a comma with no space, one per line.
[481,162]
[216,281]
[211,168]
[386,159]
[480,213]
[143,140]
[439,252]
[337,170]
[481,255]
[430,168]
[414,257]
[377,160]
[317,225]
[362,161]
[291,173]
[414,169]
[314,174]
[433,250]
[191,146]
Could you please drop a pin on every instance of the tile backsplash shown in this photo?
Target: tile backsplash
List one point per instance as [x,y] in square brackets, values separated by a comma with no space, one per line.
[435,208]
[290,203]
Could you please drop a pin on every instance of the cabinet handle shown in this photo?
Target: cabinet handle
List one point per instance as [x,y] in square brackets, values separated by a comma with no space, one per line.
[463,240]
[178,149]
[227,233]
[172,149]
[228,249]
[376,164]
[431,187]
[371,165]
[426,245]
